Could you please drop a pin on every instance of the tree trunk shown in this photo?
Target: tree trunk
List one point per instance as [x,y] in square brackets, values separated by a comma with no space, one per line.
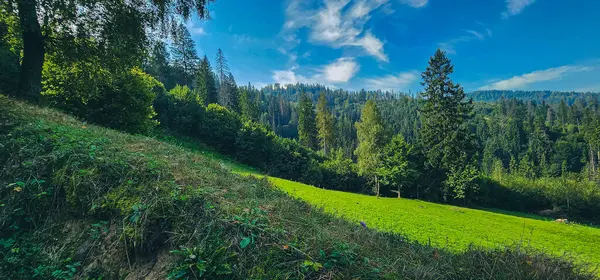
[377,185]
[592,162]
[30,81]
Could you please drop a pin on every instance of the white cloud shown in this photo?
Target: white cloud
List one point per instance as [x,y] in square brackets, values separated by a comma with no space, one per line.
[339,23]
[514,7]
[194,29]
[518,82]
[399,81]
[285,77]
[341,71]
[415,3]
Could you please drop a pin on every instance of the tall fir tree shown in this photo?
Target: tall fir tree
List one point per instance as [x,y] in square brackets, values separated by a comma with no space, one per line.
[222,73]
[324,124]
[447,140]
[307,127]
[371,140]
[205,83]
[185,59]
[445,134]
[232,99]
[158,64]
[248,107]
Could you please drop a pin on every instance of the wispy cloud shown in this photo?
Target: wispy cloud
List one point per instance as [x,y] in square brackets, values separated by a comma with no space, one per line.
[519,82]
[514,7]
[476,34]
[400,81]
[450,45]
[339,71]
[415,3]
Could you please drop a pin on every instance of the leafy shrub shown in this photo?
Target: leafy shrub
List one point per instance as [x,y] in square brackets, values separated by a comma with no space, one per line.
[120,99]
[253,144]
[219,128]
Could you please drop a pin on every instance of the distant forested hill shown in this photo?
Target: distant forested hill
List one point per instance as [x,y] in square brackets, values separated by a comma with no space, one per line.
[547,96]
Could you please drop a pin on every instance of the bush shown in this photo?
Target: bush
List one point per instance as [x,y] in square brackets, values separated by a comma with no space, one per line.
[219,128]
[253,144]
[120,100]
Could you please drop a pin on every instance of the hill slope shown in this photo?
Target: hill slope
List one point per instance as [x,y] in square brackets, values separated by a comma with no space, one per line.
[453,227]
[88,202]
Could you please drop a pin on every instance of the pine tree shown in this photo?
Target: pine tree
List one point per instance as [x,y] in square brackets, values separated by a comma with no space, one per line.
[222,72]
[446,138]
[445,135]
[324,124]
[232,98]
[248,106]
[307,127]
[371,139]
[158,64]
[205,83]
[185,59]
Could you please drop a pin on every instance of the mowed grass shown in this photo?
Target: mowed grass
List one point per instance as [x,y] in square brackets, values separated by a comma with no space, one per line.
[452,227]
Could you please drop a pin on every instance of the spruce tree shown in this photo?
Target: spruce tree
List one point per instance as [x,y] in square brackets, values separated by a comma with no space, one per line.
[324,124]
[248,107]
[371,140]
[232,98]
[446,139]
[185,59]
[307,127]
[205,83]
[222,73]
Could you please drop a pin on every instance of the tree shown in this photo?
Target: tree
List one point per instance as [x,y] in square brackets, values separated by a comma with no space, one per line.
[185,59]
[222,70]
[370,133]
[307,127]
[122,24]
[232,99]
[324,124]
[248,107]
[158,64]
[205,83]
[446,137]
[395,169]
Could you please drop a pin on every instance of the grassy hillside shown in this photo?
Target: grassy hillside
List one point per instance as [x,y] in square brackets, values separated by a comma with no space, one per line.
[452,227]
[80,201]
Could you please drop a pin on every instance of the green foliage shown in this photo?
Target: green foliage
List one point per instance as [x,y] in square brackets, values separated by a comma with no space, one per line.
[219,128]
[183,93]
[371,140]
[253,144]
[395,170]
[325,125]
[307,126]
[121,100]
[10,51]
[205,83]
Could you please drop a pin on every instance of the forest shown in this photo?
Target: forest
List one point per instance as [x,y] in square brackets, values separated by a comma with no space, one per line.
[107,63]
[526,151]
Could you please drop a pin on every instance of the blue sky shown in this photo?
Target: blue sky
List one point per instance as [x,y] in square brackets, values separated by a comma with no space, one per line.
[385,44]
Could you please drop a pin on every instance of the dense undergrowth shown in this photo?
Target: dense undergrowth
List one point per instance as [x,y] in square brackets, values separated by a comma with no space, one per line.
[79,201]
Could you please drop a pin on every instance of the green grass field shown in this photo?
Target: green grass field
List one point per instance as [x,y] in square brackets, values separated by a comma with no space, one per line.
[449,226]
